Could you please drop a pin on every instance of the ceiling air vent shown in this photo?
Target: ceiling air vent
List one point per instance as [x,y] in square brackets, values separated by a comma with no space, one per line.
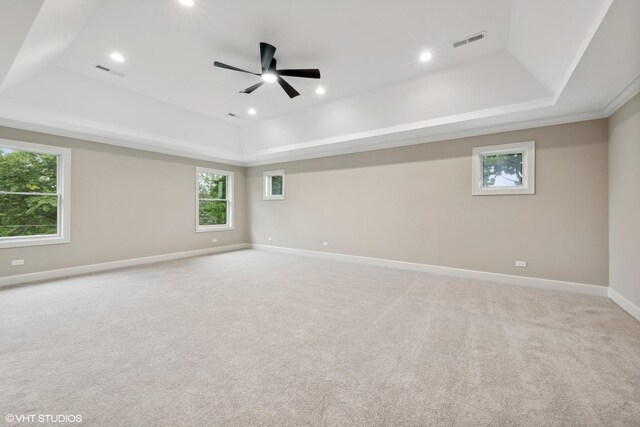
[473,38]
[109,70]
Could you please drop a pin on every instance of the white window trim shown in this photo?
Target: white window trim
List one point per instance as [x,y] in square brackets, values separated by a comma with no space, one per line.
[230,183]
[266,184]
[528,168]
[63,186]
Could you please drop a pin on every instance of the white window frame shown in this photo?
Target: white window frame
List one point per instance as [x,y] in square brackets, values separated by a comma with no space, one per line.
[229,200]
[267,176]
[63,192]
[528,151]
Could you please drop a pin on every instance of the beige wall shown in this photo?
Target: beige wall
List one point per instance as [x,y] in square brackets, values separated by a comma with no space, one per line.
[624,201]
[411,204]
[125,204]
[415,204]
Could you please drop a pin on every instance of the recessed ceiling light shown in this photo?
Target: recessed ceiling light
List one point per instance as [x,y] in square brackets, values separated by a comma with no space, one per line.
[269,77]
[117,56]
[187,3]
[425,56]
[252,111]
[320,90]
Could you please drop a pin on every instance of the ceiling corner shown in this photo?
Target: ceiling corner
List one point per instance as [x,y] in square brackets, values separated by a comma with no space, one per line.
[50,29]
[568,26]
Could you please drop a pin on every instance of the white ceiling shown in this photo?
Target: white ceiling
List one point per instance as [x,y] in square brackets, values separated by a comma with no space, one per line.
[357,45]
[532,65]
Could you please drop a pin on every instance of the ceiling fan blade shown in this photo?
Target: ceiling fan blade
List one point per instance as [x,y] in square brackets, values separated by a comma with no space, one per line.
[266,55]
[229,67]
[309,74]
[252,88]
[288,88]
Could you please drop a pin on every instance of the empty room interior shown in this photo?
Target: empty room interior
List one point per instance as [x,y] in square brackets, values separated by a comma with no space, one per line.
[340,213]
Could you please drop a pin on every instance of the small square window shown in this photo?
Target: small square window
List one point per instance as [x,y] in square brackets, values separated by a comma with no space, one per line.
[504,169]
[273,185]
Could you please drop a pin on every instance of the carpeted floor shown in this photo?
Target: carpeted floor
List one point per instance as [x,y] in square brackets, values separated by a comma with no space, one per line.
[257,338]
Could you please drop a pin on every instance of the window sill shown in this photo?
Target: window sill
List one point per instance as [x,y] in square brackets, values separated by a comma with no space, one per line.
[505,191]
[20,242]
[207,229]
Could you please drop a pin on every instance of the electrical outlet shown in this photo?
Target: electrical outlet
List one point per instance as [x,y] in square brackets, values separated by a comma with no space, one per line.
[521,263]
[17,262]
[214,240]
[325,243]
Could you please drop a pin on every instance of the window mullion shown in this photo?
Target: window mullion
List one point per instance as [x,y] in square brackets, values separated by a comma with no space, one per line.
[24,193]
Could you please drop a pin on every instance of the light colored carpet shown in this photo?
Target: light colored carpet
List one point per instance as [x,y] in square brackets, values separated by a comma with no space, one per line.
[256,338]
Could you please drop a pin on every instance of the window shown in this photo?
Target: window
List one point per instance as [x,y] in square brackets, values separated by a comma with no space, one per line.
[273,185]
[504,169]
[34,194]
[214,200]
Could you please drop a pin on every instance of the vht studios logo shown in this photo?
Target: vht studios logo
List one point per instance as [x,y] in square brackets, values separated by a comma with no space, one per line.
[43,418]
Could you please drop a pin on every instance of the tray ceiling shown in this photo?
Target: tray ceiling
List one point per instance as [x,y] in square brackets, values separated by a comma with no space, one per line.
[166,96]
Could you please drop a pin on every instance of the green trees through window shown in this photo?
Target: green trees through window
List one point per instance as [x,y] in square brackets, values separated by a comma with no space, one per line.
[212,192]
[276,185]
[273,185]
[502,170]
[28,193]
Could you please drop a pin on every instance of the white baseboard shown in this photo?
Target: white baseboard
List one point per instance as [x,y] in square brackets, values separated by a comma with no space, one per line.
[556,285]
[92,268]
[624,303]
[533,282]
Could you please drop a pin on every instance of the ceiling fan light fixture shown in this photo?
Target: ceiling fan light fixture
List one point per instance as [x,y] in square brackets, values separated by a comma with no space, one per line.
[270,73]
[269,77]
[426,56]
[252,111]
[320,90]
[187,3]
[117,56]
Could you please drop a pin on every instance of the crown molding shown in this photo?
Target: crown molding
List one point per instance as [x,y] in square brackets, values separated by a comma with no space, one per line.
[120,140]
[305,151]
[326,151]
[631,90]
[402,142]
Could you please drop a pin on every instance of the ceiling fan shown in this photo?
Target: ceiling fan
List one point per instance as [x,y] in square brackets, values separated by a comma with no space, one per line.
[270,74]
